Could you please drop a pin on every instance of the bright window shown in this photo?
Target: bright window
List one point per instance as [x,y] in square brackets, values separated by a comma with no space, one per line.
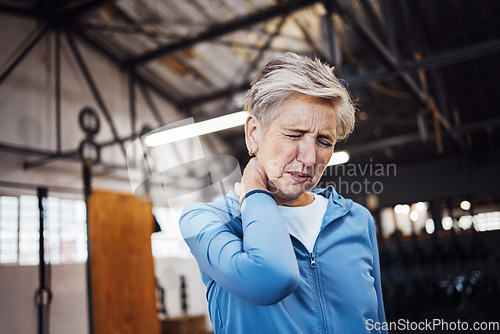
[65,230]
[168,242]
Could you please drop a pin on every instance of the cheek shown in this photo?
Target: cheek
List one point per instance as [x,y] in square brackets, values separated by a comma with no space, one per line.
[288,152]
[273,168]
[279,157]
[322,161]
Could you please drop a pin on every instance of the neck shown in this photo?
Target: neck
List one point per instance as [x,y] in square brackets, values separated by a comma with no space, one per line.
[303,200]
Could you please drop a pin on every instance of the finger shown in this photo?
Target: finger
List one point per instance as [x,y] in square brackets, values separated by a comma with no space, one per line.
[237,189]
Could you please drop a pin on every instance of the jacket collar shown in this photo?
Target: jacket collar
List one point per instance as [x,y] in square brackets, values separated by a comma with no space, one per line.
[337,207]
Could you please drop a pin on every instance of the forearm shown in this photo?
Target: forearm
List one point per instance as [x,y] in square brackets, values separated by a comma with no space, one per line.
[267,243]
[260,268]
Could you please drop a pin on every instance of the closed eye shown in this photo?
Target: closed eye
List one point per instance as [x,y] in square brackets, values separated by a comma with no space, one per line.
[325,143]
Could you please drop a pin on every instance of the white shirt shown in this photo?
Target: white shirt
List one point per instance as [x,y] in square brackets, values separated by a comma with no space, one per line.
[304,222]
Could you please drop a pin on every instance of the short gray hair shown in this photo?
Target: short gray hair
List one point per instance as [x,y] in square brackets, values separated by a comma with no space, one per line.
[285,76]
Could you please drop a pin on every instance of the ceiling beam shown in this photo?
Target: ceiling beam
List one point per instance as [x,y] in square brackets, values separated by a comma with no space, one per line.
[56,12]
[219,94]
[223,29]
[93,88]
[229,91]
[430,62]
[120,62]
[87,7]
[381,50]
[17,10]
[23,54]
[412,138]
[388,58]
[410,66]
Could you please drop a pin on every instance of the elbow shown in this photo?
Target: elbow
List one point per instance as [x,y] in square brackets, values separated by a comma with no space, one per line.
[288,285]
[275,284]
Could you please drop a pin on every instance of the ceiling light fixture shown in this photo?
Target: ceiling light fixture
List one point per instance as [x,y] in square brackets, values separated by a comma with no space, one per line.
[339,158]
[465,205]
[196,129]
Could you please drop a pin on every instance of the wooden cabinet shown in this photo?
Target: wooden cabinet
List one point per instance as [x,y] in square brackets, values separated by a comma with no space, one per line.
[187,324]
[122,267]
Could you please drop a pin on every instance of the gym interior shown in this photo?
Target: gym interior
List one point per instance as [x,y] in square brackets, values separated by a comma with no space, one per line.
[90,203]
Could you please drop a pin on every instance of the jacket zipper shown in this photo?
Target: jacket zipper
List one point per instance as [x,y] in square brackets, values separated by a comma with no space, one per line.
[314,264]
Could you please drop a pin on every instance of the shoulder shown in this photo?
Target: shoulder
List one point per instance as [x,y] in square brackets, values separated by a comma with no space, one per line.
[222,206]
[364,218]
[199,215]
[360,211]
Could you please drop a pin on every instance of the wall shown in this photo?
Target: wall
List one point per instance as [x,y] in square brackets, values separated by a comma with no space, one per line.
[68,310]
[17,287]
[27,107]
[28,111]
[168,272]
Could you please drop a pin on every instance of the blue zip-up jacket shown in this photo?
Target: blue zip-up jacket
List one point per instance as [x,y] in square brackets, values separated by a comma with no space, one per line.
[260,279]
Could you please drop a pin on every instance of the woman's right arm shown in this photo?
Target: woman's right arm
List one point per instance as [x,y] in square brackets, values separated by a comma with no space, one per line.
[260,268]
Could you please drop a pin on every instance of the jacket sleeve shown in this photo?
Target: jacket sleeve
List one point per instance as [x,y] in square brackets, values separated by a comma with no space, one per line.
[260,268]
[376,273]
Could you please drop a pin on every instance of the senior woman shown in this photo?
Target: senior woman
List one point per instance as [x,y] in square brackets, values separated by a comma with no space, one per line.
[276,255]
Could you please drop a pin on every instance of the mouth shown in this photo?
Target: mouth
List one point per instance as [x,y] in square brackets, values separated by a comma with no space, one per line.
[299,177]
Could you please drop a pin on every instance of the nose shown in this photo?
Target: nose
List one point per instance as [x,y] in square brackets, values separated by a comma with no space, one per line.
[307,152]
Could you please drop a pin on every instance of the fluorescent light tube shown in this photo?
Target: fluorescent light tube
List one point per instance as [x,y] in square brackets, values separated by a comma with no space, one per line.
[196,129]
[339,158]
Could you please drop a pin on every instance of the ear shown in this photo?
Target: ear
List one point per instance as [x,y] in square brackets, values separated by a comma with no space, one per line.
[252,133]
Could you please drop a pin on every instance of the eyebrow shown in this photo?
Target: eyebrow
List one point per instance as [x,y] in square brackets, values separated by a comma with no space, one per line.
[326,136]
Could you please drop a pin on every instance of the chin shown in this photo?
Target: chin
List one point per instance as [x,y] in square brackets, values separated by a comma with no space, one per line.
[292,191]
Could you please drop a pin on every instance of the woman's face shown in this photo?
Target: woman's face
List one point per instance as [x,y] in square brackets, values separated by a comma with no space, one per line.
[296,148]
